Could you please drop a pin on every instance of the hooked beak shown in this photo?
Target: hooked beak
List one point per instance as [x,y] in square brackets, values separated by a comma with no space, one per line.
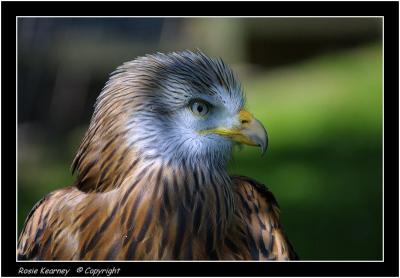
[249,131]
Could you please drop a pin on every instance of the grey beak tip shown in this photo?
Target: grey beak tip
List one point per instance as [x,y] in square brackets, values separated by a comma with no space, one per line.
[264,145]
[263,150]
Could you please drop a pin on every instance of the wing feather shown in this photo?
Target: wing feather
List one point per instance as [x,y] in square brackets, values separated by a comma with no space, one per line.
[46,227]
[258,211]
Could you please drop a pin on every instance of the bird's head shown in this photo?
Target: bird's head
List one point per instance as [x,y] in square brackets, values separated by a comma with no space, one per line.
[177,106]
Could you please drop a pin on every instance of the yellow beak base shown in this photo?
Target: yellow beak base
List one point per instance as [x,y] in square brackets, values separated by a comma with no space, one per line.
[249,132]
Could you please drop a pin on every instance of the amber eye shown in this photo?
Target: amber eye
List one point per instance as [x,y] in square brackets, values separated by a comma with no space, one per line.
[199,107]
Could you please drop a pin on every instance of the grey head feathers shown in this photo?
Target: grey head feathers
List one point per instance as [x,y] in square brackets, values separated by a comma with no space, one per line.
[146,102]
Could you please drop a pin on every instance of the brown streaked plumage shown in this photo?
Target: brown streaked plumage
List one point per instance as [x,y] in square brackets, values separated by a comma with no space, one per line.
[151,174]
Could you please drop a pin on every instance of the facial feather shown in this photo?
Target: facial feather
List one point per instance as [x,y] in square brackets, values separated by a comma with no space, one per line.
[145,105]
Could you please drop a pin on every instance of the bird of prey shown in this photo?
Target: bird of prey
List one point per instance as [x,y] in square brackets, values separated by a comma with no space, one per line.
[152,181]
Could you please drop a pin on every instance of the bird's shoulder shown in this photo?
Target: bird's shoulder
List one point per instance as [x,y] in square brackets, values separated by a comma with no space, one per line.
[259,214]
[33,242]
[252,190]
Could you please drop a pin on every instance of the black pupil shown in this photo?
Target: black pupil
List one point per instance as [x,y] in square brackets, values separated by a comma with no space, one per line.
[199,108]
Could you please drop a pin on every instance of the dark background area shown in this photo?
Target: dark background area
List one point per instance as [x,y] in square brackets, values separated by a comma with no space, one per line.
[315,83]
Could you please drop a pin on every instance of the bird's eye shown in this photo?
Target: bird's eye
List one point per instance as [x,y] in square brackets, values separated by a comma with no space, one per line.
[199,107]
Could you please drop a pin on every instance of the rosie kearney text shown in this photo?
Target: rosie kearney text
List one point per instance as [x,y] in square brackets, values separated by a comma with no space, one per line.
[43,271]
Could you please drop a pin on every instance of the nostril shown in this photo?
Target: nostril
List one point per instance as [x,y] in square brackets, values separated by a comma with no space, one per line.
[245,121]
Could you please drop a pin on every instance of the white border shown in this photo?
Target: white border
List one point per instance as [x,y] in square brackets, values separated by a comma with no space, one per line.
[216,17]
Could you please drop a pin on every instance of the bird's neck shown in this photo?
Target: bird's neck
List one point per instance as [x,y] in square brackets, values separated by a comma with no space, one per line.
[191,202]
[179,205]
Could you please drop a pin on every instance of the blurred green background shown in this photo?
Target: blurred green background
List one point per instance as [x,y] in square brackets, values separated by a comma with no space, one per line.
[315,83]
